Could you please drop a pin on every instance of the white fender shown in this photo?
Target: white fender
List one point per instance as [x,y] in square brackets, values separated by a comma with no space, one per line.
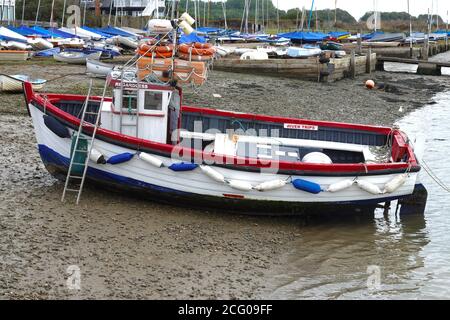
[150,159]
[240,185]
[96,156]
[271,185]
[340,186]
[213,174]
[395,183]
[369,187]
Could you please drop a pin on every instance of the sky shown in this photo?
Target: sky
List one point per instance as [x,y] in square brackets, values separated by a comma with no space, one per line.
[358,8]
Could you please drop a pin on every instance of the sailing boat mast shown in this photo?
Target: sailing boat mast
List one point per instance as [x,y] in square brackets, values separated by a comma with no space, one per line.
[278,18]
[37,12]
[224,8]
[110,12]
[23,10]
[310,15]
[335,13]
[51,13]
[64,11]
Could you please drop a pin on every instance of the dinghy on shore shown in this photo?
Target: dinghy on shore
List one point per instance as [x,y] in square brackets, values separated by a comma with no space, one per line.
[76,57]
[98,69]
[14,83]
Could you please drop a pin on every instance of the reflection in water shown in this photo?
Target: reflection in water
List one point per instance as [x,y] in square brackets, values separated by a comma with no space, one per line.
[331,259]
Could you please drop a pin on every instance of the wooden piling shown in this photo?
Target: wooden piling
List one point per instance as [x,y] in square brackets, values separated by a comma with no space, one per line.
[369,61]
[353,65]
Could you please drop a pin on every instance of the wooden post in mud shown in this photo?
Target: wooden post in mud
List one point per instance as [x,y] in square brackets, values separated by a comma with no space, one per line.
[369,61]
[353,65]
[359,41]
[425,49]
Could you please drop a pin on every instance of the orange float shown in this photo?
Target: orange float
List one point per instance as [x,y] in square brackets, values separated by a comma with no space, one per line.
[200,45]
[149,50]
[192,50]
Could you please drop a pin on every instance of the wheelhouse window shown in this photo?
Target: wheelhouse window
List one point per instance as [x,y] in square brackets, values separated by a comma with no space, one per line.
[153,101]
[129,100]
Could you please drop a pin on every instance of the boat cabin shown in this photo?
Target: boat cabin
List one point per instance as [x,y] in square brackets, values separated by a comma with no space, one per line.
[143,110]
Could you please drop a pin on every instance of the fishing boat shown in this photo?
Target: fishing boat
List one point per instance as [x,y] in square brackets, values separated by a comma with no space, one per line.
[13,55]
[98,69]
[143,140]
[76,57]
[14,83]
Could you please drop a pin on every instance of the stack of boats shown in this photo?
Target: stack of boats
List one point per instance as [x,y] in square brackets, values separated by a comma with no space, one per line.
[72,45]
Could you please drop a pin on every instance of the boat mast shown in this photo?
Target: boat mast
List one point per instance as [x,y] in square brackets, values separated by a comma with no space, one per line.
[110,12]
[278,17]
[51,13]
[410,31]
[256,16]
[84,14]
[23,10]
[224,8]
[37,12]
[335,13]
[63,13]
[310,15]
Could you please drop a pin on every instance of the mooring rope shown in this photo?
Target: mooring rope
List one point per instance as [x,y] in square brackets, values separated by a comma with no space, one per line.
[433,176]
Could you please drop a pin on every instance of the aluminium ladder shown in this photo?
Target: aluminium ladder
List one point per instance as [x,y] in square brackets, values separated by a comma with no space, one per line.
[70,178]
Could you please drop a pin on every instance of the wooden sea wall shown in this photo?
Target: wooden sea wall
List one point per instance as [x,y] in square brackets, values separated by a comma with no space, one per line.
[307,69]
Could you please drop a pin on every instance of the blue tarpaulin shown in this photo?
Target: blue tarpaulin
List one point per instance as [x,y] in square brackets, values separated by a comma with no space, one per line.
[115,32]
[96,31]
[371,35]
[48,52]
[193,37]
[209,30]
[61,34]
[304,36]
[27,31]
[338,34]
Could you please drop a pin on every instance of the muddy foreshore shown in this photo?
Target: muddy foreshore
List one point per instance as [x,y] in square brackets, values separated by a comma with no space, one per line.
[127,248]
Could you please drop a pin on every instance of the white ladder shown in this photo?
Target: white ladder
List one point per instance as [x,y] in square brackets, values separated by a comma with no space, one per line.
[70,178]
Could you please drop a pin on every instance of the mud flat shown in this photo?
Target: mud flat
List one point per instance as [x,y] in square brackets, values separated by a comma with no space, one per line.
[131,248]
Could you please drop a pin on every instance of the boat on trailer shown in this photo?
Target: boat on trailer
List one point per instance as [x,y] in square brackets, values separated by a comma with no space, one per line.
[144,140]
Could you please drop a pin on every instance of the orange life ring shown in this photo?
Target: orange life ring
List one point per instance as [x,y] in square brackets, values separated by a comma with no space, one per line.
[150,48]
[199,45]
[149,54]
[188,49]
[194,57]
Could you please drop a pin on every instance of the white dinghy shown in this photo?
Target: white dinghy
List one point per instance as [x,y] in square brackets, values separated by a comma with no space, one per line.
[76,57]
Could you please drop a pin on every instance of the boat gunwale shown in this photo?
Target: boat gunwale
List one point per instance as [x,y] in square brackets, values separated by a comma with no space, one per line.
[234,163]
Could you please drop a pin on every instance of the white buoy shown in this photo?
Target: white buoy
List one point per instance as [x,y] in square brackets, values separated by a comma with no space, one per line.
[369,187]
[213,174]
[340,186]
[317,157]
[271,185]
[150,159]
[240,185]
[395,183]
[97,157]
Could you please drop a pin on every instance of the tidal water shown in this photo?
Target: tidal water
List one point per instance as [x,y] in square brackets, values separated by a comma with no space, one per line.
[387,256]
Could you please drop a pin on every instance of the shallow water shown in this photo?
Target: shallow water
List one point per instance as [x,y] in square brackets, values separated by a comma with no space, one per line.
[409,255]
